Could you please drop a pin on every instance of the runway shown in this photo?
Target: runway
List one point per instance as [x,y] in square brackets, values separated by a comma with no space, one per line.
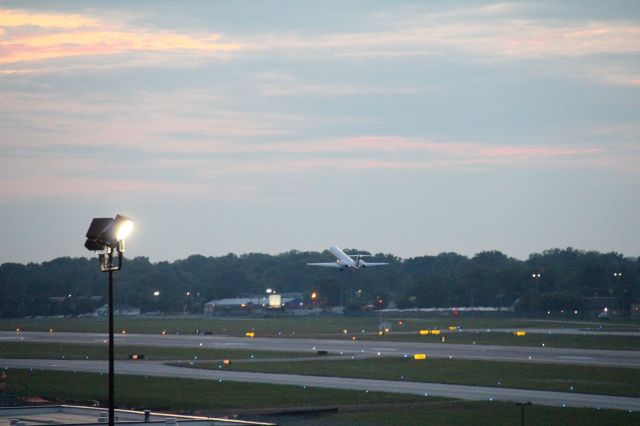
[477,393]
[592,357]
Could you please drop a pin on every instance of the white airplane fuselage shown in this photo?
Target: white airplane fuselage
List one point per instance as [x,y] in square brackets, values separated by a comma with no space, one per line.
[344,261]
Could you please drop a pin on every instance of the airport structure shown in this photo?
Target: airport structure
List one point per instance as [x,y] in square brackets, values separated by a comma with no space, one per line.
[92,416]
[252,305]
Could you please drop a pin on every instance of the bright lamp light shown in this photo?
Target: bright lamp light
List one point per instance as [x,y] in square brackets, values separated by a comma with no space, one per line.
[123,227]
[106,233]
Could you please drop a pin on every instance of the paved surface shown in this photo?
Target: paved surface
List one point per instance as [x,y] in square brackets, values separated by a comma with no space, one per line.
[608,358]
[428,389]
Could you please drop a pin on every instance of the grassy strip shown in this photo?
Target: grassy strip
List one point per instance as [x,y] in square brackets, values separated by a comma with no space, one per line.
[332,328]
[356,408]
[565,378]
[629,343]
[187,395]
[477,414]
[284,326]
[100,351]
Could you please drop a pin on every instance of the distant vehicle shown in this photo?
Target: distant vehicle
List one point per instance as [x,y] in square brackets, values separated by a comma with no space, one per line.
[353,261]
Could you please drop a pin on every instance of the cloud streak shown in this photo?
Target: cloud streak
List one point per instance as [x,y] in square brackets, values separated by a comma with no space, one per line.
[501,32]
[209,135]
[202,167]
[54,36]
[17,18]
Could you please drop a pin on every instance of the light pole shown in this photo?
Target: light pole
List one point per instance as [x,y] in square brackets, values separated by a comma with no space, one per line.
[622,294]
[186,303]
[617,276]
[106,235]
[522,405]
[156,294]
[536,278]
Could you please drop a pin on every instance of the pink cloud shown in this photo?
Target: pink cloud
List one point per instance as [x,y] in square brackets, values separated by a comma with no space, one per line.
[513,152]
[209,174]
[62,36]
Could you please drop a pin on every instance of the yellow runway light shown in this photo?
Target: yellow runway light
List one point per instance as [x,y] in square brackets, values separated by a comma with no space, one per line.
[420,356]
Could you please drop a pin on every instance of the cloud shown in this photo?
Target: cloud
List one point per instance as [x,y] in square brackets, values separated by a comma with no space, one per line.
[35,42]
[232,169]
[494,31]
[384,145]
[54,36]
[17,18]
[501,30]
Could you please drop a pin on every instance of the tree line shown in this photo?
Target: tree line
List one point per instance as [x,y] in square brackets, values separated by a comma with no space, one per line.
[554,280]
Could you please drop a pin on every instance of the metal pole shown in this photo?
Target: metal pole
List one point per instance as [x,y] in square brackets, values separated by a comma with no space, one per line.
[111,369]
[521,405]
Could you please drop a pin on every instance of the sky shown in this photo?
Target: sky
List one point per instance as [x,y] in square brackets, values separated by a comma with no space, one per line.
[403,127]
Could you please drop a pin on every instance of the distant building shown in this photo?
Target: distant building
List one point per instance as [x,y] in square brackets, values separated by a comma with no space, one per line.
[253,304]
[121,311]
[475,311]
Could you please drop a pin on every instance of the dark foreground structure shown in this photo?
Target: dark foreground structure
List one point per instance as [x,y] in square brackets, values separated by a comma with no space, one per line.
[90,416]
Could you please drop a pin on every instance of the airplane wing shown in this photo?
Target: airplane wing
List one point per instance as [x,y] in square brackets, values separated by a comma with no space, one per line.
[367,264]
[328,265]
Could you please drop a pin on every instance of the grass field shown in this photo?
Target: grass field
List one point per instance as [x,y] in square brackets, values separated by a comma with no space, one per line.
[186,395]
[475,413]
[612,381]
[565,378]
[629,343]
[289,326]
[333,328]
[67,351]
[354,408]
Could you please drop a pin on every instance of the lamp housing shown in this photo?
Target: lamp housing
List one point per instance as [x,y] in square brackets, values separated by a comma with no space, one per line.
[108,233]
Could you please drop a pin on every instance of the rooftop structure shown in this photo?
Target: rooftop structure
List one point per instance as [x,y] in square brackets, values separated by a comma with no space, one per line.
[90,416]
[247,305]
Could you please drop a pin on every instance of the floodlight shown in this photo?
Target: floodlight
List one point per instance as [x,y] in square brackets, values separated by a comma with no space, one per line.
[106,236]
[106,233]
[95,233]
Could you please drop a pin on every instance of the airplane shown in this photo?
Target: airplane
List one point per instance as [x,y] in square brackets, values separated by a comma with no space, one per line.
[345,261]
